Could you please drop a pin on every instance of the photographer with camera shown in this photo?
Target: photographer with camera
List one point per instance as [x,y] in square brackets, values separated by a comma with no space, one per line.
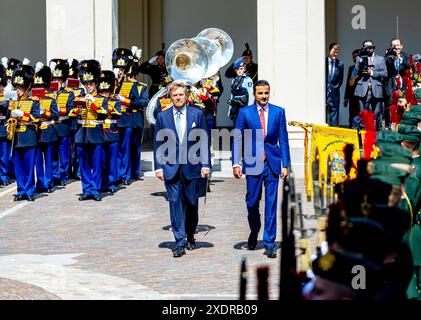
[241,91]
[371,70]
[397,62]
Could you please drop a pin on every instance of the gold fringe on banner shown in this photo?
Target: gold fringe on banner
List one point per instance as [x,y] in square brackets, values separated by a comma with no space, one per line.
[326,151]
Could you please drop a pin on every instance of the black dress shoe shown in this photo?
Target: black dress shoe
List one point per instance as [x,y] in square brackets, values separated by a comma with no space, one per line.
[191,244]
[50,190]
[18,198]
[252,242]
[179,252]
[30,198]
[126,182]
[97,198]
[63,183]
[270,252]
[84,197]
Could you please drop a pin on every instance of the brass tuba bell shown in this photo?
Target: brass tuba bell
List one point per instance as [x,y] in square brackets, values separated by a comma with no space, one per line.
[191,60]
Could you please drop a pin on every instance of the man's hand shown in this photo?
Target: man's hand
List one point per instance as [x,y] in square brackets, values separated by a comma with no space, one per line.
[204,172]
[160,175]
[120,97]
[90,98]
[17,113]
[237,172]
[284,173]
[346,103]
[41,111]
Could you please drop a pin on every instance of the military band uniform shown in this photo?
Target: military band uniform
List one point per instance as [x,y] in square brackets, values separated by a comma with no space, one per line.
[47,139]
[158,74]
[25,145]
[4,143]
[111,147]
[89,141]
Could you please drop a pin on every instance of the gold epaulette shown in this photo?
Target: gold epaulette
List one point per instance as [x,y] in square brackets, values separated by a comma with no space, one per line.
[34,98]
[68,89]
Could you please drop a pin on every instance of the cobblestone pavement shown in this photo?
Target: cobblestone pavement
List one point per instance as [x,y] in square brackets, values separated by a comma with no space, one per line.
[60,248]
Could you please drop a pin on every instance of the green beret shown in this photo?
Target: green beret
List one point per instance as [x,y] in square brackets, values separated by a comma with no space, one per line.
[411,118]
[388,137]
[418,94]
[394,153]
[411,133]
[339,267]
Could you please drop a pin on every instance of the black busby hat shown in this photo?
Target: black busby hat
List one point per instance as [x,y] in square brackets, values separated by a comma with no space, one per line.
[3,77]
[23,76]
[122,58]
[89,71]
[59,68]
[11,64]
[42,77]
[106,81]
[73,63]
[247,52]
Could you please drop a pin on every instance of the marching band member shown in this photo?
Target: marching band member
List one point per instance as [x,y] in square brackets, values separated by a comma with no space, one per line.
[133,98]
[47,132]
[4,144]
[65,97]
[112,138]
[91,111]
[26,112]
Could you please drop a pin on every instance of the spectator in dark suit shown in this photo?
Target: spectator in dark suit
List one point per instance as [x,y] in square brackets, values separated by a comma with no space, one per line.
[334,79]
[371,69]
[350,99]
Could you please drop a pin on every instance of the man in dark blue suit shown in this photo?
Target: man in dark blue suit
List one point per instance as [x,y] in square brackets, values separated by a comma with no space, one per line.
[334,79]
[261,142]
[182,158]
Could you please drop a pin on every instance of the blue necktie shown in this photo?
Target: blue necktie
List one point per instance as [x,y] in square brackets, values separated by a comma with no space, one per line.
[178,124]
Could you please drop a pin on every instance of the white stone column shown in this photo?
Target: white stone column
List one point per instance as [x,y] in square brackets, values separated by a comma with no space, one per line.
[80,29]
[291,43]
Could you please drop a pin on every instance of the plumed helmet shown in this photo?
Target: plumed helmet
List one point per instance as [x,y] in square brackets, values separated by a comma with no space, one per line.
[106,81]
[59,68]
[73,63]
[89,71]
[23,76]
[42,77]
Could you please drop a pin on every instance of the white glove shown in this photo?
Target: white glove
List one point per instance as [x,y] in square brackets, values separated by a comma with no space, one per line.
[153,60]
[121,98]
[41,111]
[17,113]
[90,98]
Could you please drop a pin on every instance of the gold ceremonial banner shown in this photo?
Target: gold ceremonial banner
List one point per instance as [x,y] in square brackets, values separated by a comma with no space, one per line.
[324,158]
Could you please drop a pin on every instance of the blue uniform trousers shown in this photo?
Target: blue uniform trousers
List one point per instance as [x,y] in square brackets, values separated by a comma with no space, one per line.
[110,166]
[24,163]
[184,207]
[125,161]
[4,160]
[61,163]
[74,158]
[44,166]
[254,194]
[136,151]
[91,157]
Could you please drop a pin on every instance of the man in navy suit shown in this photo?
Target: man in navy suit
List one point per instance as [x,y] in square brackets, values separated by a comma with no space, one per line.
[182,158]
[261,142]
[334,79]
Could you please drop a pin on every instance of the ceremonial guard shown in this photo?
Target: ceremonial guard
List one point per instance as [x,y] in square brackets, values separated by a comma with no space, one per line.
[156,69]
[91,110]
[25,113]
[10,65]
[47,133]
[249,65]
[241,91]
[112,138]
[134,98]
[65,97]
[4,144]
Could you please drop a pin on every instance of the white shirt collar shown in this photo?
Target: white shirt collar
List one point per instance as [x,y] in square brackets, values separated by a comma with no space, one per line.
[266,107]
[183,110]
